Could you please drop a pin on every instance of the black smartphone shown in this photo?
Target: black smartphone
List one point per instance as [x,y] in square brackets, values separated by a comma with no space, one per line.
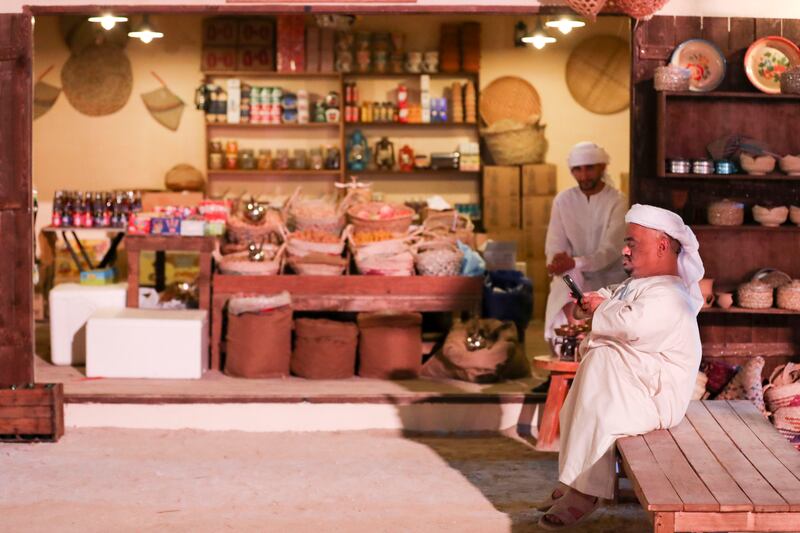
[573,287]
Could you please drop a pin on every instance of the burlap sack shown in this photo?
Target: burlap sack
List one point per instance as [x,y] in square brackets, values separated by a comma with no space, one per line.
[259,345]
[390,346]
[502,359]
[746,385]
[324,349]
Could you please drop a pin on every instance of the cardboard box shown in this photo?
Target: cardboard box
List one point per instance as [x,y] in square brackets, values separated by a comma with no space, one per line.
[537,273]
[625,183]
[99,276]
[539,304]
[536,210]
[539,180]
[535,238]
[501,213]
[151,200]
[500,182]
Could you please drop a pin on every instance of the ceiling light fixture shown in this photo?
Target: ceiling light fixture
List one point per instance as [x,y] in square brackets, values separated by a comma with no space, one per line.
[145,32]
[539,39]
[565,24]
[108,21]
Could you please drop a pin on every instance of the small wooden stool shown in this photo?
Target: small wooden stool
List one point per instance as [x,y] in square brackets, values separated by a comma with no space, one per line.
[561,374]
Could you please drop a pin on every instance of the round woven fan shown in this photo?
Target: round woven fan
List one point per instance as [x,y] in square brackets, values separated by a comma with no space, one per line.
[510,98]
[98,81]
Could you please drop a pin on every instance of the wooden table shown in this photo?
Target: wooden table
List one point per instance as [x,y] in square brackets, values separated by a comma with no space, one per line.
[349,294]
[723,468]
[561,374]
[134,244]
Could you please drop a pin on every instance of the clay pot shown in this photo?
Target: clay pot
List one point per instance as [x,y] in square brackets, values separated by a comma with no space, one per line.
[724,299]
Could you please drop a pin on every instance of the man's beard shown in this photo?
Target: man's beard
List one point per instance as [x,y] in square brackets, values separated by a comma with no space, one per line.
[588,186]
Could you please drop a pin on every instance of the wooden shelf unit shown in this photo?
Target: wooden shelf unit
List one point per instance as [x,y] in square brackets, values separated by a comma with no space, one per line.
[344,128]
[672,125]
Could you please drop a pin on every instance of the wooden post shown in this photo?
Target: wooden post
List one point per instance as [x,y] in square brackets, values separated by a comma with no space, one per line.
[663,522]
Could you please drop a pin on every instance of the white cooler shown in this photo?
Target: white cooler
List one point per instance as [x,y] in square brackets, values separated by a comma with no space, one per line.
[70,307]
[147,343]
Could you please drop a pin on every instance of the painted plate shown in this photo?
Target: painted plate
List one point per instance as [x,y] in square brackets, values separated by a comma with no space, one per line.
[705,61]
[767,59]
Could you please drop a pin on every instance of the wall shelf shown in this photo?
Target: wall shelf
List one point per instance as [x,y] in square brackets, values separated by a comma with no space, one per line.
[743,311]
[402,75]
[415,173]
[742,95]
[776,177]
[743,227]
[247,174]
[255,74]
[250,126]
[413,125]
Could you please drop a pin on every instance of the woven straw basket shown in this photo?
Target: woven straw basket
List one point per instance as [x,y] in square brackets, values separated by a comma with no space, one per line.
[587,8]
[512,143]
[787,421]
[438,258]
[240,264]
[243,232]
[640,9]
[784,386]
[398,224]
[318,265]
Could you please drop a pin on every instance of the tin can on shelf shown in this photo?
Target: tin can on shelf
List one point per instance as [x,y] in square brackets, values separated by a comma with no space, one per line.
[679,166]
[703,166]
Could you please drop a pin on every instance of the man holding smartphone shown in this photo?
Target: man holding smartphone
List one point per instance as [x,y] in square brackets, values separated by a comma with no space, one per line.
[585,233]
[639,362]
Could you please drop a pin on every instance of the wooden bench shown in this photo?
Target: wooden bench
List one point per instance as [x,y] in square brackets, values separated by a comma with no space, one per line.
[723,468]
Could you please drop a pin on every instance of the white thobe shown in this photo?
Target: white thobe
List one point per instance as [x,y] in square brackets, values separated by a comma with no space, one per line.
[591,230]
[637,373]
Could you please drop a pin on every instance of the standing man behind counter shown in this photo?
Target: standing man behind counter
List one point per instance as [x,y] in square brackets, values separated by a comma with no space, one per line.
[586,230]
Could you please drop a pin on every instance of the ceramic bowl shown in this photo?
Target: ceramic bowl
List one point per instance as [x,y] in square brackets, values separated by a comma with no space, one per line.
[757,165]
[794,214]
[770,216]
[790,164]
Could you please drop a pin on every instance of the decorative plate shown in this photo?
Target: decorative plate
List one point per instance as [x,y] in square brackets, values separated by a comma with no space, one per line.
[705,61]
[767,59]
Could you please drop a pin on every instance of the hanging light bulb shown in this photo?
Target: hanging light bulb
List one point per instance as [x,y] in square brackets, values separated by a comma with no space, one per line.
[145,32]
[565,24]
[539,39]
[108,21]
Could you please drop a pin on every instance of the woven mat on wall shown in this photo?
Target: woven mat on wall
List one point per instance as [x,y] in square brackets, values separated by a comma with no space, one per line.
[598,74]
[98,81]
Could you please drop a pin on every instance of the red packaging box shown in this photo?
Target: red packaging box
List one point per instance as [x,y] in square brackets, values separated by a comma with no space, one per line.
[291,43]
[326,46]
[219,58]
[220,31]
[312,49]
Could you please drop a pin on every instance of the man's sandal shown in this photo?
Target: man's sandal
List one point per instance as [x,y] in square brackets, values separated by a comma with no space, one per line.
[557,493]
[569,511]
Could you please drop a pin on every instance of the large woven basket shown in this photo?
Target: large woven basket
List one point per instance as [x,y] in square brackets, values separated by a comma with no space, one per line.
[240,264]
[438,258]
[297,247]
[640,9]
[243,232]
[512,143]
[452,226]
[397,224]
[510,98]
[783,387]
[318,265]
[587,8]
[787,421]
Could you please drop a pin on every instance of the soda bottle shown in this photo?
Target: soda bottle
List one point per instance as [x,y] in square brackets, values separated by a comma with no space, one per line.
[88,218]
[58,206]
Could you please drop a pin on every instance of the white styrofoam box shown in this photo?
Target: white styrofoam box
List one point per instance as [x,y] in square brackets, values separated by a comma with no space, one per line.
[71,305]
[147,343]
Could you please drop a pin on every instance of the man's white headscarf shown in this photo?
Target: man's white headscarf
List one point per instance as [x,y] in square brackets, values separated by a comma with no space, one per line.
[587,153]
[690,266]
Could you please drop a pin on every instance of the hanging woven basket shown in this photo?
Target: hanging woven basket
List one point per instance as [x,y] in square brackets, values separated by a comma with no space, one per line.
[587,8]
[640,9]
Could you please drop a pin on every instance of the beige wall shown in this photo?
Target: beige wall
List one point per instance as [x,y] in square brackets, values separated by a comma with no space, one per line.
[130,149]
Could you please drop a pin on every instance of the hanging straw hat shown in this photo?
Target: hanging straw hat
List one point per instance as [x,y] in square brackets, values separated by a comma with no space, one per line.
[98,81]
[165,106]
[44,95]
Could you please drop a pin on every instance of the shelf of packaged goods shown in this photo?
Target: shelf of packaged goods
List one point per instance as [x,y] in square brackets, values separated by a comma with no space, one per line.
[774,177]
[414,125]
[253,75]
[239,174]
[403,75]
[450,173]
[745,227]
[251,126]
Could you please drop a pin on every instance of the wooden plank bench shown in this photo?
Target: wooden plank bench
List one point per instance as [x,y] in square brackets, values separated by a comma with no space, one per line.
[723,468]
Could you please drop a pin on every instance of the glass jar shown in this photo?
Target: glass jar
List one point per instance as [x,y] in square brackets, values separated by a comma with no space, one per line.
[300,160]
[725,213]
[282,159]
[789,296]
[317,162]
[755,295]
[247,160]
[264,159]
[215,160]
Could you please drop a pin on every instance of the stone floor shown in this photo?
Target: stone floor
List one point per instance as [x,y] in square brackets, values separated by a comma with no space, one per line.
[187,480]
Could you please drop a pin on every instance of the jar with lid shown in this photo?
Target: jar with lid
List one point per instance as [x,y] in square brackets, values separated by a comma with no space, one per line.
[282,159]
[332,158]
[789,296]
[264,161]
[231,147]
[317,162]
[726,213]
[300,160]
[755,295]
[247,160]
[215,160]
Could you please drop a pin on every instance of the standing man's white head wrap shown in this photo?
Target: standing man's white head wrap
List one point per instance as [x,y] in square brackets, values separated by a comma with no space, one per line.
[587,153]
[690,266]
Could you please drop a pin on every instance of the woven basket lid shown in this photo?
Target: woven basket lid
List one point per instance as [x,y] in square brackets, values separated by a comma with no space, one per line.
[598,74]
[510,98]
[98,81]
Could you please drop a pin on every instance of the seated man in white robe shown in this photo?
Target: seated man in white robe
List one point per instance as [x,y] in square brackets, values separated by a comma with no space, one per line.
[639,362]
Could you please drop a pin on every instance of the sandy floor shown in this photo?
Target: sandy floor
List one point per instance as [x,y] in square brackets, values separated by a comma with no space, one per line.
[152,480]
